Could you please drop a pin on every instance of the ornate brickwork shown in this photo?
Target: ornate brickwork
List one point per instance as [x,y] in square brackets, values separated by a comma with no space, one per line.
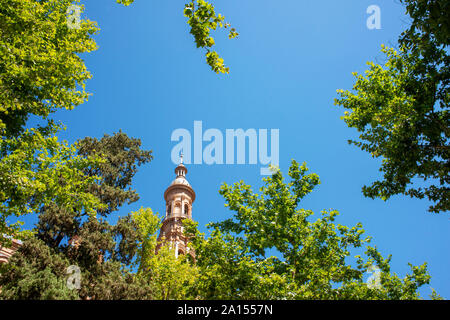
[6,253]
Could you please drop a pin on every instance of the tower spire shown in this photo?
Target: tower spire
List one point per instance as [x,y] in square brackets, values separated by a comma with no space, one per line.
[179,198]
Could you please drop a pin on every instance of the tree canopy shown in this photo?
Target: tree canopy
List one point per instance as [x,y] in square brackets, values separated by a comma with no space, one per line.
[40,67]
[70,236]
[270,249]
[401,109]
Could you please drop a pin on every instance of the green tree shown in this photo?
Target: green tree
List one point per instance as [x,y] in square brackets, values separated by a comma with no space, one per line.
[37,170]
[40,70]
[313,257]
[171,277]
[401,109]
[67,236]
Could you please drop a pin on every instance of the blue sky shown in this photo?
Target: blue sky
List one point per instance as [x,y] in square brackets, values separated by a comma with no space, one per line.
[291,56]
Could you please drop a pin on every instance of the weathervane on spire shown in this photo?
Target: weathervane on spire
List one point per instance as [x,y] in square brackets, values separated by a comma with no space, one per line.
[181,157]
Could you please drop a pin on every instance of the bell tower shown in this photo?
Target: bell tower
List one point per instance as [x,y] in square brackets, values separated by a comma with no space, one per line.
[179,197]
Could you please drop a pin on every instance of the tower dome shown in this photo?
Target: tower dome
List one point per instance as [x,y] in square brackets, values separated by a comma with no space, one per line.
[180,181]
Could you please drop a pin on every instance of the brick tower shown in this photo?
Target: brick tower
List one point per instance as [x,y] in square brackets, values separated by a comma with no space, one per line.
[6,253]
[179,197]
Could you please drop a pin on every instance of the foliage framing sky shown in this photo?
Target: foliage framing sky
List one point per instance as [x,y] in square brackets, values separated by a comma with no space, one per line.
[290,57]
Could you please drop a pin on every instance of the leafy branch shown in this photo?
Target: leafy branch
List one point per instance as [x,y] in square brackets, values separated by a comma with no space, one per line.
[202,18]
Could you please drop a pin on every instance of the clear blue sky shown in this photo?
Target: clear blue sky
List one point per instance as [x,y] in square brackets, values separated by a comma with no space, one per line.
[290,57]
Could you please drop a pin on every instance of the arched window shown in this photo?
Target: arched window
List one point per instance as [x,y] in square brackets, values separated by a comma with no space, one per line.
[169,209]
[177,209]
[186,209]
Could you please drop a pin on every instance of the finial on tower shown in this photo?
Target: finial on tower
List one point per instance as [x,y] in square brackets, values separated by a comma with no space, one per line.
[181,170]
